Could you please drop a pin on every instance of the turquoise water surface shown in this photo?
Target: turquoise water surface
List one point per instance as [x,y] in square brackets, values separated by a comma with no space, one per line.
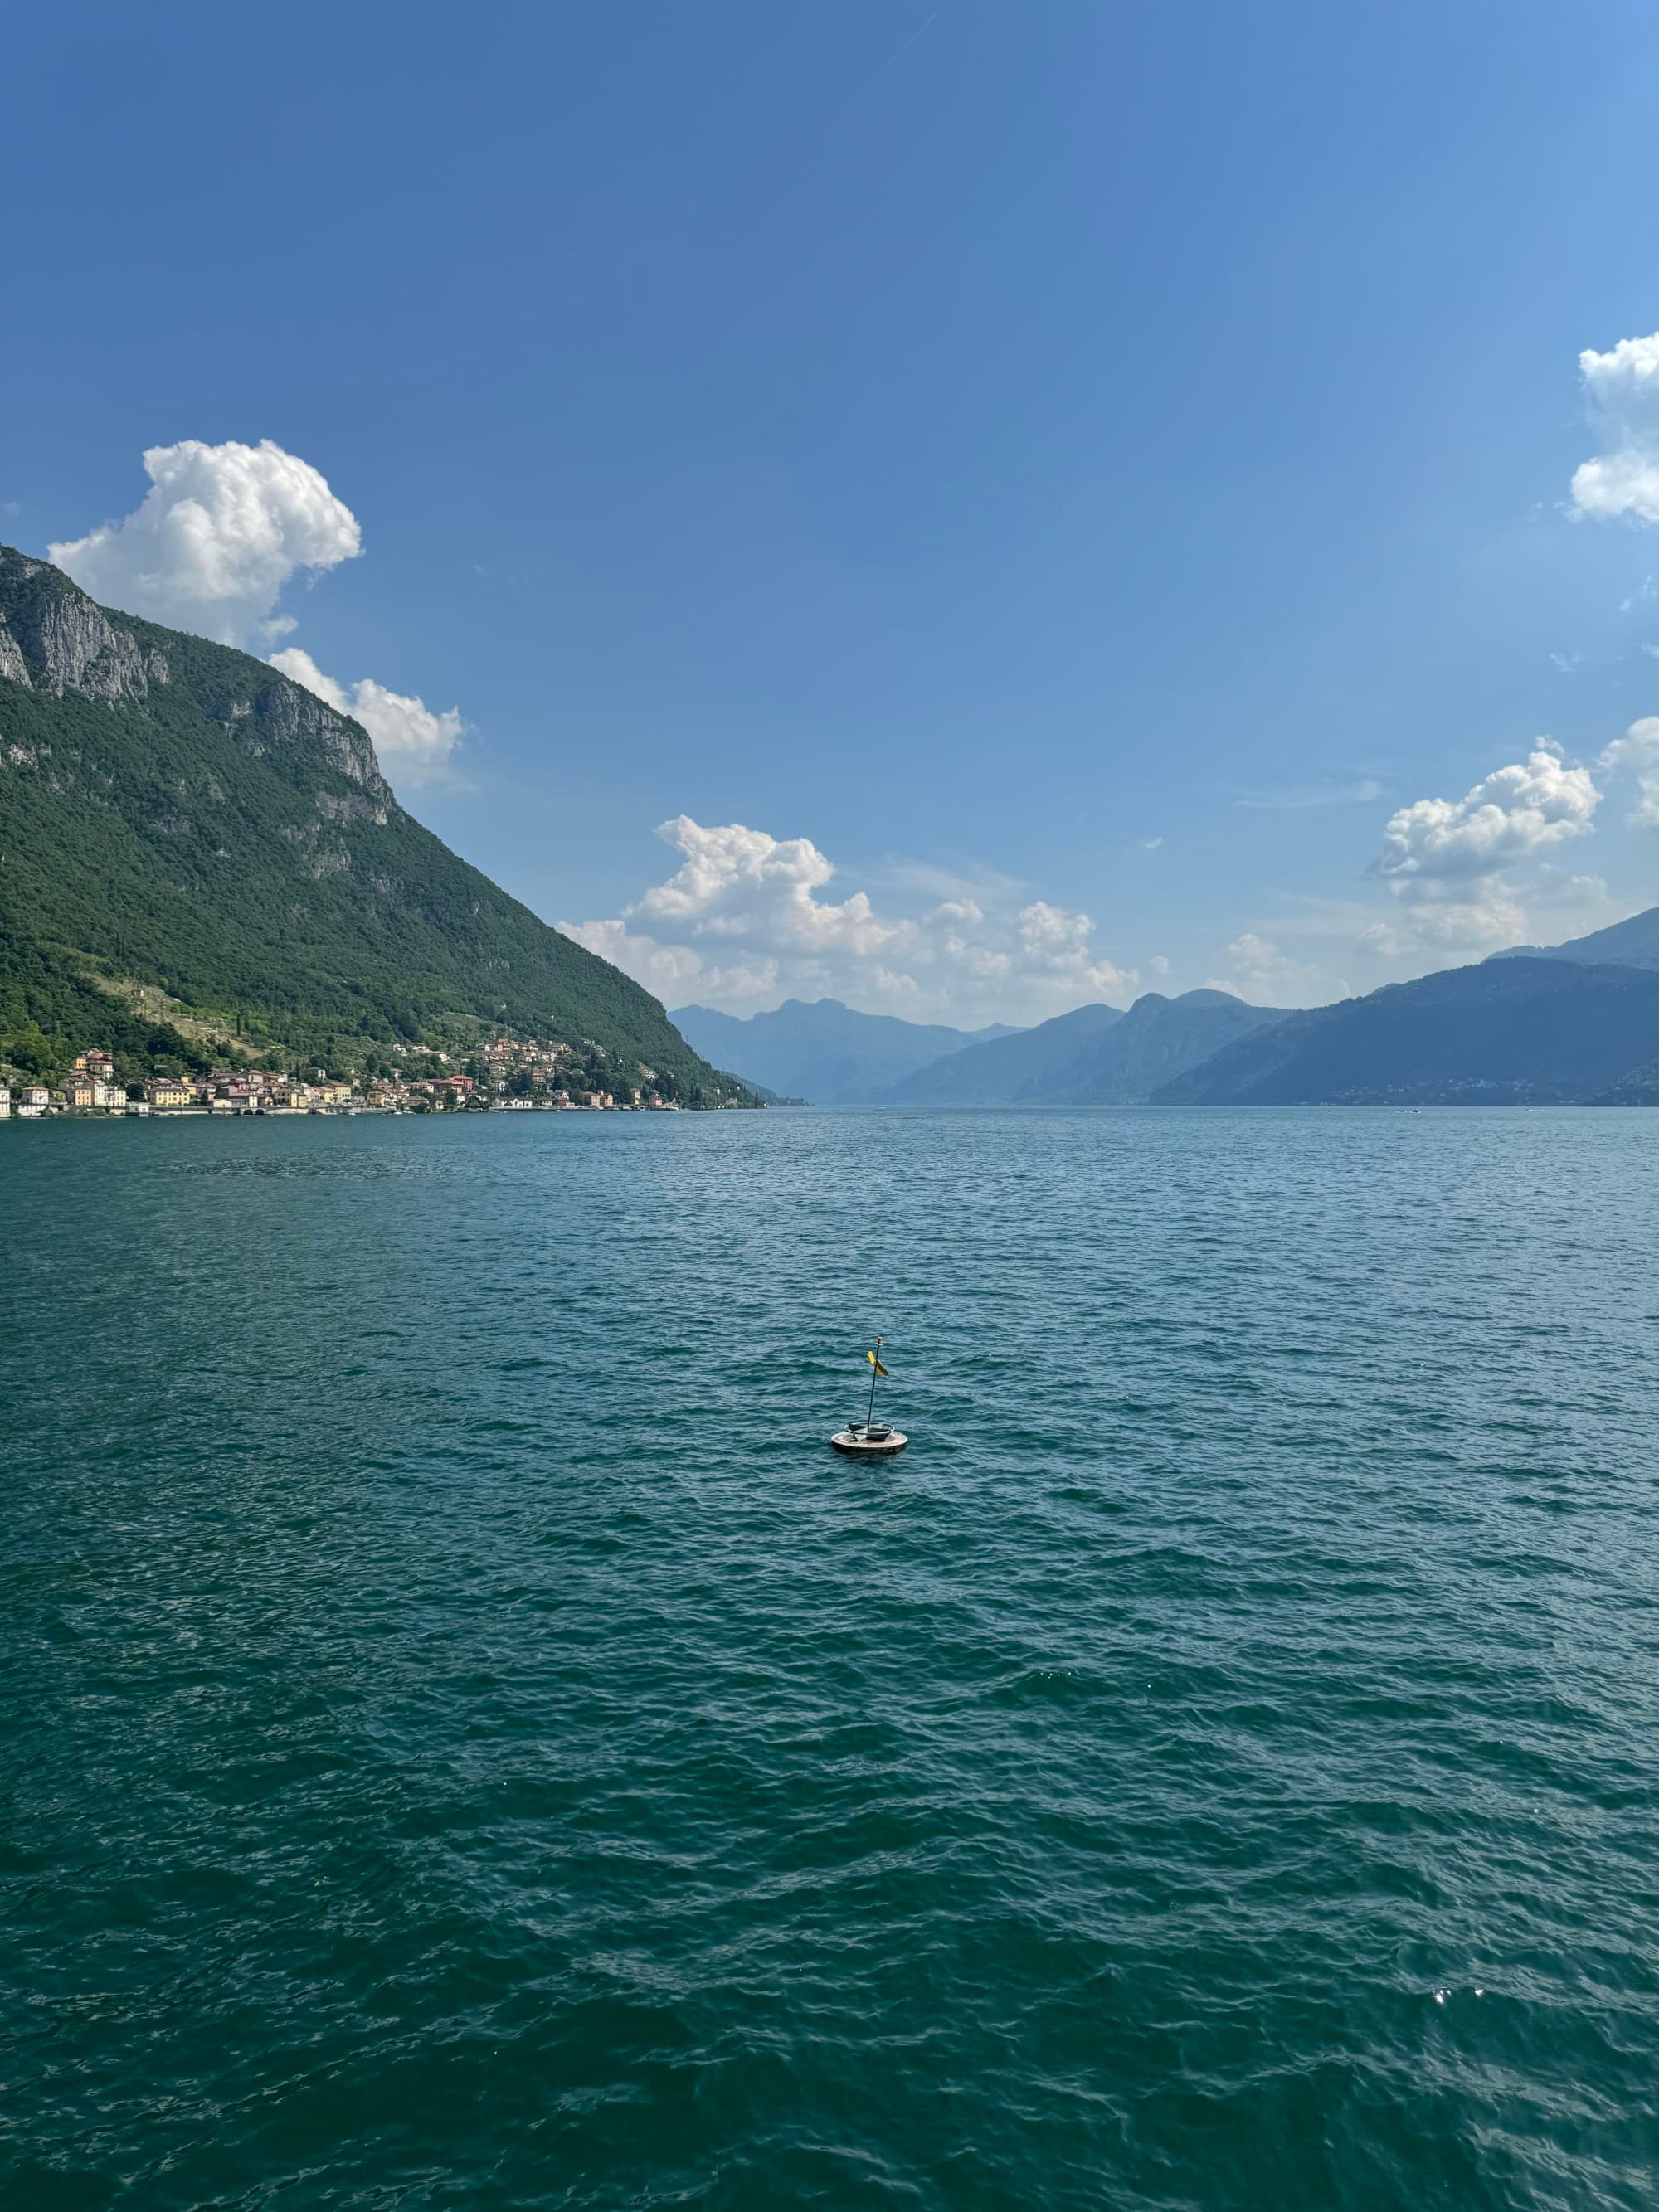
[470,1743]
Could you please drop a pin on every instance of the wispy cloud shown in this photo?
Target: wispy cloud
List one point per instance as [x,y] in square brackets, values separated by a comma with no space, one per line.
[899,872]
[1257,970]
[1359,791]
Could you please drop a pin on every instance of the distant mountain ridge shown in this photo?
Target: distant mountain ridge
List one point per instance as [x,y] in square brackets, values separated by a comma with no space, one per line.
[1004,1070]
[180,818]
[820,1049]
[1632,943]
[1096,1056]
[1516,1032]
[1160,1038]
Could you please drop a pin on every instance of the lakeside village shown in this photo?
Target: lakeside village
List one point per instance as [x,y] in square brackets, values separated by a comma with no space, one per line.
[508,1075]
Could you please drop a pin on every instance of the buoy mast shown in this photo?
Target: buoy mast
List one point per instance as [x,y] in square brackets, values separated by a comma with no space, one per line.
[865,1440]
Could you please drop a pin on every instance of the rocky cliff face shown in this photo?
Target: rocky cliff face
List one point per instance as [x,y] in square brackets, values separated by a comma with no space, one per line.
[13,666]
[285,715]
[54,639]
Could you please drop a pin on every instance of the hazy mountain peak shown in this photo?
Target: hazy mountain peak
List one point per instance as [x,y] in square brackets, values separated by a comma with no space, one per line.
[1096,1056]
[820,1049]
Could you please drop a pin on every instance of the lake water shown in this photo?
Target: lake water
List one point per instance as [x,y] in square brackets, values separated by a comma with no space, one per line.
[471,1744]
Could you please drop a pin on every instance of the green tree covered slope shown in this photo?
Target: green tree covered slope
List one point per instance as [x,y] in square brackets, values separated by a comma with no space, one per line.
[176,815]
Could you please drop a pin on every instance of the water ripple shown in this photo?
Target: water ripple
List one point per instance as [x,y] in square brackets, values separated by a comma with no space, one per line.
[473,1746]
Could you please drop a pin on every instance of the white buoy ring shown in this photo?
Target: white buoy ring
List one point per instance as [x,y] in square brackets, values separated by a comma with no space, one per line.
[875,1442]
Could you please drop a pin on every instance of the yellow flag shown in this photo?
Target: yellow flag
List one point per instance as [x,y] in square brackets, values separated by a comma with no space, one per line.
[875,1363]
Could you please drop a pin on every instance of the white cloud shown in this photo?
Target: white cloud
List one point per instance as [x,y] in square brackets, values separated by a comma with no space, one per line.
[742,922]
[221,530]
[1622,391]
[1514,814]
[1463,873]
[1636,753]
[220,533]
[413,744]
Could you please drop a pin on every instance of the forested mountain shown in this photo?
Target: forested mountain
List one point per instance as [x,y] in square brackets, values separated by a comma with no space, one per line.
[191,845]
[1515,1032]
[821,1050]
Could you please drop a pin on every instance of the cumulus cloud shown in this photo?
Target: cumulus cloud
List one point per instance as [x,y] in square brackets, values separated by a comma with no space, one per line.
[1636,753]
[220,532]
[1621,389]
[1622,395]
[1463,870]
[1514,814]
[743,922]
[413,744]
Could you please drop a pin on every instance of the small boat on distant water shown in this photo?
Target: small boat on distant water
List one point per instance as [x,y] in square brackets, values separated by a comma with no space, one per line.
[870,1438]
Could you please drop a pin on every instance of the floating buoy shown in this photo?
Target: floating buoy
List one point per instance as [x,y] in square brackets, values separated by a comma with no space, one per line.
[864,1442]
[870,1438]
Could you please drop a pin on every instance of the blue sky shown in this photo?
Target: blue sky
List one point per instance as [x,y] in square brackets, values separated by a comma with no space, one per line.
[1044,496]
